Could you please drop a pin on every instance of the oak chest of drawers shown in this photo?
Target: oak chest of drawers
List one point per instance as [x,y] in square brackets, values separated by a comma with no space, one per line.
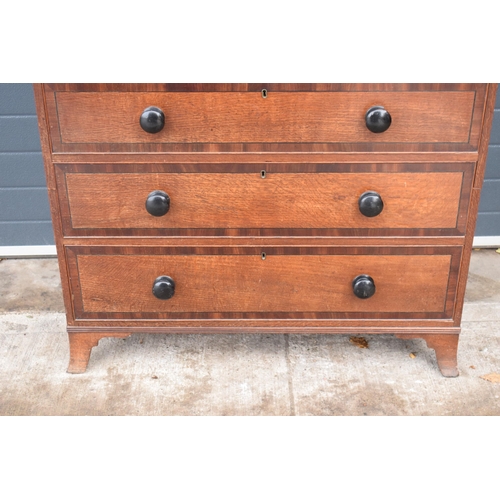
[267,208]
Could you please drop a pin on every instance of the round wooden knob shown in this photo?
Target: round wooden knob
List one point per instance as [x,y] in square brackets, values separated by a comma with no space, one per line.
[370,204]
[363,286]
[158,203]
[152,120]
[378,119]
[164,287]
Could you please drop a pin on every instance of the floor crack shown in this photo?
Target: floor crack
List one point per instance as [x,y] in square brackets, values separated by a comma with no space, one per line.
[290,378]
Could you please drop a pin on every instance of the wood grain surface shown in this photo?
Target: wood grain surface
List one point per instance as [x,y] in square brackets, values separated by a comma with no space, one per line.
[293,121]
[324,200]
[278,283]
[257,87]
[420,155]
[222,199]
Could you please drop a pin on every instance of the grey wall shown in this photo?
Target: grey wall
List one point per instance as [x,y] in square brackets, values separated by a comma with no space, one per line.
[488,220]
[24,207]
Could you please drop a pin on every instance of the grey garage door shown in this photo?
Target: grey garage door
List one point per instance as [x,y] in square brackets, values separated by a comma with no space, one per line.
[24,208]
[488,222]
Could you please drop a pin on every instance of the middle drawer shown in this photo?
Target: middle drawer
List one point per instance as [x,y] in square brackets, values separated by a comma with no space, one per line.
[264,199]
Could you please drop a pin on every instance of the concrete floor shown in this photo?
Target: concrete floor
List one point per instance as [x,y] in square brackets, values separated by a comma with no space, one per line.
[239,374]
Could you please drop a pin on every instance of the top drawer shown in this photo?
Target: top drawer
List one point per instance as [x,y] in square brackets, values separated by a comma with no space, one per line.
[419,118]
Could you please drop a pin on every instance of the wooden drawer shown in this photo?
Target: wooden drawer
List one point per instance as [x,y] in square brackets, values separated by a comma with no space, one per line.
[436,117]
[271,282]
[265,199]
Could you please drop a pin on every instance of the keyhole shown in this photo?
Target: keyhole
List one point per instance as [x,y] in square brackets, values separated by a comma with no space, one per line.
[264,93]
[263,255]
[263,174]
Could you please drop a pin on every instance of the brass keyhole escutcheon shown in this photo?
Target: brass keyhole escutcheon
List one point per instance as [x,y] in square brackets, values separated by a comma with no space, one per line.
[263,255]
[264,93]
[263,174]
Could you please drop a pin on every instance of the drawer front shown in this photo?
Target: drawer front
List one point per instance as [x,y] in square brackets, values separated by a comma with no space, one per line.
[266,198]
[220,121]
[117,283]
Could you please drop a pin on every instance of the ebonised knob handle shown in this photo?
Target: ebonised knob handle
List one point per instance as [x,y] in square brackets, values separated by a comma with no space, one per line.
[164,287]
[378,119]
[152,120]
[363,286]
[370,204]
[158,203]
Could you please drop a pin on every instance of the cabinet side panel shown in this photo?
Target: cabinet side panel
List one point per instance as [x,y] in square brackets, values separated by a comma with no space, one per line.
[46,146]
[475,199]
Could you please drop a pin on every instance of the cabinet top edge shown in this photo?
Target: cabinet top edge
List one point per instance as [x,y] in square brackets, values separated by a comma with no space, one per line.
[257,87]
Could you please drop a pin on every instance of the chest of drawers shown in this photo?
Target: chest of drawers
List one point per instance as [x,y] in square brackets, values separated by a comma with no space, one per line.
[276,208]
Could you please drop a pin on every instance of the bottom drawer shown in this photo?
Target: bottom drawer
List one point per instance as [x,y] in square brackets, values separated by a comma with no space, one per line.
[264,282]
